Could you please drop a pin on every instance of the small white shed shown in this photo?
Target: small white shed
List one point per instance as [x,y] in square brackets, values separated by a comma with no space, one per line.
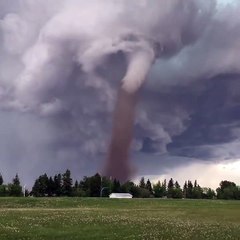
[120,195]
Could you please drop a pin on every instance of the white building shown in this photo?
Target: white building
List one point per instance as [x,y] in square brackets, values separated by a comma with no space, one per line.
[120,195]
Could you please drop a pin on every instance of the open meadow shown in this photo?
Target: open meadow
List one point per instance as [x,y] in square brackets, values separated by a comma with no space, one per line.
[94,218]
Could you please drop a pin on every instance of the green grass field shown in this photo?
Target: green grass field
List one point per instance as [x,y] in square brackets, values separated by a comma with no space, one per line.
[92,218]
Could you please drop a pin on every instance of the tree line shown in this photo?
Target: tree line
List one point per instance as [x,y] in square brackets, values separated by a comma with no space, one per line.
[11,189]
[101,186]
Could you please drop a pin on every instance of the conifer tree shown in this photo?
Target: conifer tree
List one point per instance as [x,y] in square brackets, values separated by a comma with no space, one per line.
[149,186]
[1,179]
[58,184]
[185,189]
[36,188]
[164,186]
[158,189]
[67,183]
[15,189]
[50,187]
[116,186]
[142,183]
[95,185]
[189,189]
[16,180]
[76,185]
[170,188]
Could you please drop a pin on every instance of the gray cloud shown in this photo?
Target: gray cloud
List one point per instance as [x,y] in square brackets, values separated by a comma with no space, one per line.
[62,63]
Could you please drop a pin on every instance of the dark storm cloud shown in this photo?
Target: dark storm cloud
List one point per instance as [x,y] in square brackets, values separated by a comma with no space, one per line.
[212,109]
[60,69]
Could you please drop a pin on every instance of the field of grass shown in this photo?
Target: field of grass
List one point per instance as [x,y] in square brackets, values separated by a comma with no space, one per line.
[92,218]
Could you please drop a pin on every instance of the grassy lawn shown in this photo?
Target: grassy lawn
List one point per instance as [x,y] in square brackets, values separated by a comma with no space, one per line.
[92,218]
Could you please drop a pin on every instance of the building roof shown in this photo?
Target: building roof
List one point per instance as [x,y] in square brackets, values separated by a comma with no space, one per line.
[120,195]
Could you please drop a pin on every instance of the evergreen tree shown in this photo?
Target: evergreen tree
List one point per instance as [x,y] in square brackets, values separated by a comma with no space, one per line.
[3,191]
[144,193]
[208,193]
[84,186]
[43,185]
[185,189]
[149,186]
[16,180]
[57,185]
[177,191]
[77,191]
[126,187]
[189,189]
[67,183]
[50,187]
[116,186]
[142,183]
[95,185]
[36,188]
[164,186]
[1,179]
[76,184]
[15,189]
[197,191]
[170,188]
[177,185]
[195,184]
[26,194]
[158,190]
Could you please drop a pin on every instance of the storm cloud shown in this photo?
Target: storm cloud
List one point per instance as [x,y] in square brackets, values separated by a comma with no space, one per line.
[61,63]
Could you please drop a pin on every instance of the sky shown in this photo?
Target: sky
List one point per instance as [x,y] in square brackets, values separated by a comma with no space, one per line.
[61,65]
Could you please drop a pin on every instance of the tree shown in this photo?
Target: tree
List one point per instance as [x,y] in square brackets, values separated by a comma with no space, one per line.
[164,186]
[1,179]
[15,189]
[189,189]
[116,186]
[176,191]
[226,184]
[142,183]
[227,190]
[197,191]
[57,185]
[144,193]
[36,189]
[158,190]
[76,184]
[16,180]
[95,185]
[208,193]
[127,186]
[67,183]
[41,186]
[149,186]
[177,185]
[185,189]
[170,188]
[135,191]
[77,191]
[3,191]
[84,186]
[26,194]
[237,193]
[50,187]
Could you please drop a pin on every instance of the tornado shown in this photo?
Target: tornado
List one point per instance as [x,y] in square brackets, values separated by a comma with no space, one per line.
[118,165]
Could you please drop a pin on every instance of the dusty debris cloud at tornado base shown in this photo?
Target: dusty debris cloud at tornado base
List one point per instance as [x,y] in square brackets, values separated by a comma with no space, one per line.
[64,61]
